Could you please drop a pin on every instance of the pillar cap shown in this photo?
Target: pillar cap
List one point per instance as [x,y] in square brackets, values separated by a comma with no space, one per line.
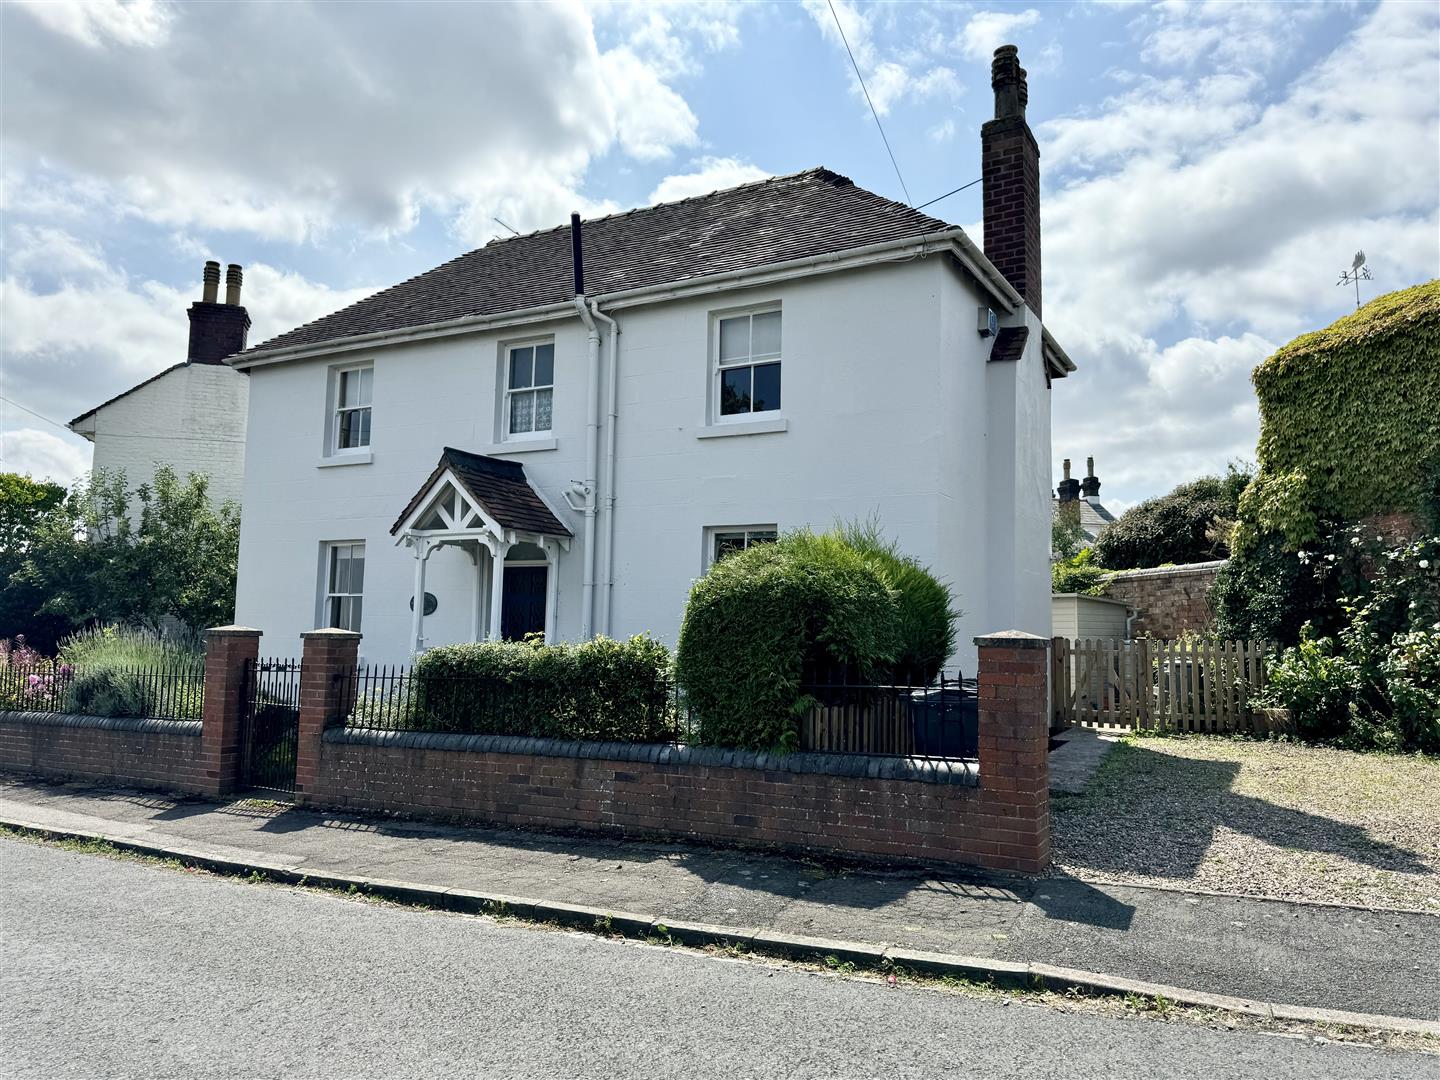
[1012,639]
[232,631]
[333,633]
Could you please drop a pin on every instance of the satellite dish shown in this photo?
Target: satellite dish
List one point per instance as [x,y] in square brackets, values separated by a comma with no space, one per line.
[1359,260]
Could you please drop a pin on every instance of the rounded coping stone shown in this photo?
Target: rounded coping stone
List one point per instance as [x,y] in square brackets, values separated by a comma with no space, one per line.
[1012,639]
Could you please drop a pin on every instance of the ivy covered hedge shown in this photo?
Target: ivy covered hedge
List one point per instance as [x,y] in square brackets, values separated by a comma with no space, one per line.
[1349,419]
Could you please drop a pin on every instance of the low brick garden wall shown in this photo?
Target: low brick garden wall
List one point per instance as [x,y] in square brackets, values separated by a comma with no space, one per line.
[857,805]
[158,754]
[994,813]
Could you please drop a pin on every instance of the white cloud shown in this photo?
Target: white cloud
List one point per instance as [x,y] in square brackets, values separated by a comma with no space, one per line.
[942,132]
[891,76]
[712,174]
[1248,36]
[650,118]
[988,30]
[1187,209]
[73,342]
[313,118]
[43,455]
[97,23]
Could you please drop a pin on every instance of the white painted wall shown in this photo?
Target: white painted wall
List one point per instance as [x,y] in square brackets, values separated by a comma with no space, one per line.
[192,418]
[887,396]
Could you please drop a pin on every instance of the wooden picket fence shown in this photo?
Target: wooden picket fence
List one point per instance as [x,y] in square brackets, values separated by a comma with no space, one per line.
[1190,685]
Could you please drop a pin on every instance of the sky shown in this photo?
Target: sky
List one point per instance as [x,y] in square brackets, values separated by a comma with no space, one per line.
[1208,169]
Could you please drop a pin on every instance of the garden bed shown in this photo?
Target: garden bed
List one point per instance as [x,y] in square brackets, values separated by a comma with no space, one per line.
[1258,819]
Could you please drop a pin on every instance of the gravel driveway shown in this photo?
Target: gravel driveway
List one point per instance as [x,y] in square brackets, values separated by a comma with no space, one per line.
[1258,819]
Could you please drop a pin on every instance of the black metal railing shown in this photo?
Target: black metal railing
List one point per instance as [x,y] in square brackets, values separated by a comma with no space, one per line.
[270,705]
[932,718]
[172,691]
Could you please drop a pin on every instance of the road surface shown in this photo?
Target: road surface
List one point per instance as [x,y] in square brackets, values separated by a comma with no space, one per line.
[115,968]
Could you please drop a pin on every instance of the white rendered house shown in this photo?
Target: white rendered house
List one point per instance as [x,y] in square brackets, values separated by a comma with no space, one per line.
[559,432]
[191,416]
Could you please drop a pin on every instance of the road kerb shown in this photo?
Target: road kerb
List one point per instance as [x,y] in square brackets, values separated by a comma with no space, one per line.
[643,927]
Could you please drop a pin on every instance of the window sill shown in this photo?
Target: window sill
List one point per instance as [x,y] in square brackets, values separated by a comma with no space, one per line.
[335,460]
[744,427]
[522,446]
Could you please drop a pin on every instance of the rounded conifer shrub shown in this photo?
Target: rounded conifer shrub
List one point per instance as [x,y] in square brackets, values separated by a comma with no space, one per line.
[760,618]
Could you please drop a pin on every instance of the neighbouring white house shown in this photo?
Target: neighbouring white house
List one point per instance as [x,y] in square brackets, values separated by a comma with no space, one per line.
[191,416]
[560,431]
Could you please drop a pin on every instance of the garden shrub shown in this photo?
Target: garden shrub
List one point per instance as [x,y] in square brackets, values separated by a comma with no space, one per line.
[1373,683]
[599,689]
[1190,524]
[927,621]
[761,618]
[1078,574]
[117,672]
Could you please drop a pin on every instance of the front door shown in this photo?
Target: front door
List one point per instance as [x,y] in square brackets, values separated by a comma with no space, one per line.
[522,609]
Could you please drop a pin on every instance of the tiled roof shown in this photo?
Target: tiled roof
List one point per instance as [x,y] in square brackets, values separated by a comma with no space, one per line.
[499,486]
[815,212]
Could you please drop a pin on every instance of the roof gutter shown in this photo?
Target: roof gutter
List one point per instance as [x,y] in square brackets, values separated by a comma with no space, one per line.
[953,240]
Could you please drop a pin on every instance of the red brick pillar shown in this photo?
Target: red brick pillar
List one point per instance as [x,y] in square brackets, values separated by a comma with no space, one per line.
[328,656]
[228,650]
[1015,746]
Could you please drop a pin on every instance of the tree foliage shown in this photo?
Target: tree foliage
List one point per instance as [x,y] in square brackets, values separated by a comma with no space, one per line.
[23,503]
[1191,524]
[105,555]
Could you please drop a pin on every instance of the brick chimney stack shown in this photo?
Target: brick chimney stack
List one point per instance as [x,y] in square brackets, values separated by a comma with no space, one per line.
[1010,168]
[1090,487]
[218,330]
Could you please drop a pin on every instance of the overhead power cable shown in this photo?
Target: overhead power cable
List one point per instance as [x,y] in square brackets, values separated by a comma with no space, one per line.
[866,92]
[947,194]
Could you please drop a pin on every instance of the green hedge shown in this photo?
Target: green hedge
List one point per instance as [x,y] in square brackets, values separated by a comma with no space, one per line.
[761,617]
[927,621]
[1191,524]
[600,689]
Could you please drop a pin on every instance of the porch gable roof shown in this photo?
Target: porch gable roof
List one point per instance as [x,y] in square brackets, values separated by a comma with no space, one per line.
[498,486]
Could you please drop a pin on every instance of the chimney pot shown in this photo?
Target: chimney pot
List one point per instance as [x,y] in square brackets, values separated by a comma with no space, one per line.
[1090,488]
[1007,79]
[211,280]
[234,278]
[1067,468]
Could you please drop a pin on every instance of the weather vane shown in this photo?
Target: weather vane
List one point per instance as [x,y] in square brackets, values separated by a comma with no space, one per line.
[1357,273]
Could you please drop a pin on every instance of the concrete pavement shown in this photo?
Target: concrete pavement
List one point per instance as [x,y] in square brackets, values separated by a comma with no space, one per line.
[1294,954]
[112,969]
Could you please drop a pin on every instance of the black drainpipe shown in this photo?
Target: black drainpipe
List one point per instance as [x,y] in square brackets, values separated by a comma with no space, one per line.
[575,257]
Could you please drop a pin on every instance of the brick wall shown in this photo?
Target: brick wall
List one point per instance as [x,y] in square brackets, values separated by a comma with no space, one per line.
[996,816]
[1170,599]
[164,754]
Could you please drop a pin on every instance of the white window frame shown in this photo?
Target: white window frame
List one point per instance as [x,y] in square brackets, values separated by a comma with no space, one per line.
[330,552]
[718,368]
[508,392]
[714,532]
[333,449]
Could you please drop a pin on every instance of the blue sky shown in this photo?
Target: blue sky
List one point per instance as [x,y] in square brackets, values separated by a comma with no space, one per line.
[1208,169]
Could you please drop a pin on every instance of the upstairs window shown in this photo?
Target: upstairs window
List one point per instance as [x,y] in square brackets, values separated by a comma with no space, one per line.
[529,388]
[352,407]
[344,585]
[748,364]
